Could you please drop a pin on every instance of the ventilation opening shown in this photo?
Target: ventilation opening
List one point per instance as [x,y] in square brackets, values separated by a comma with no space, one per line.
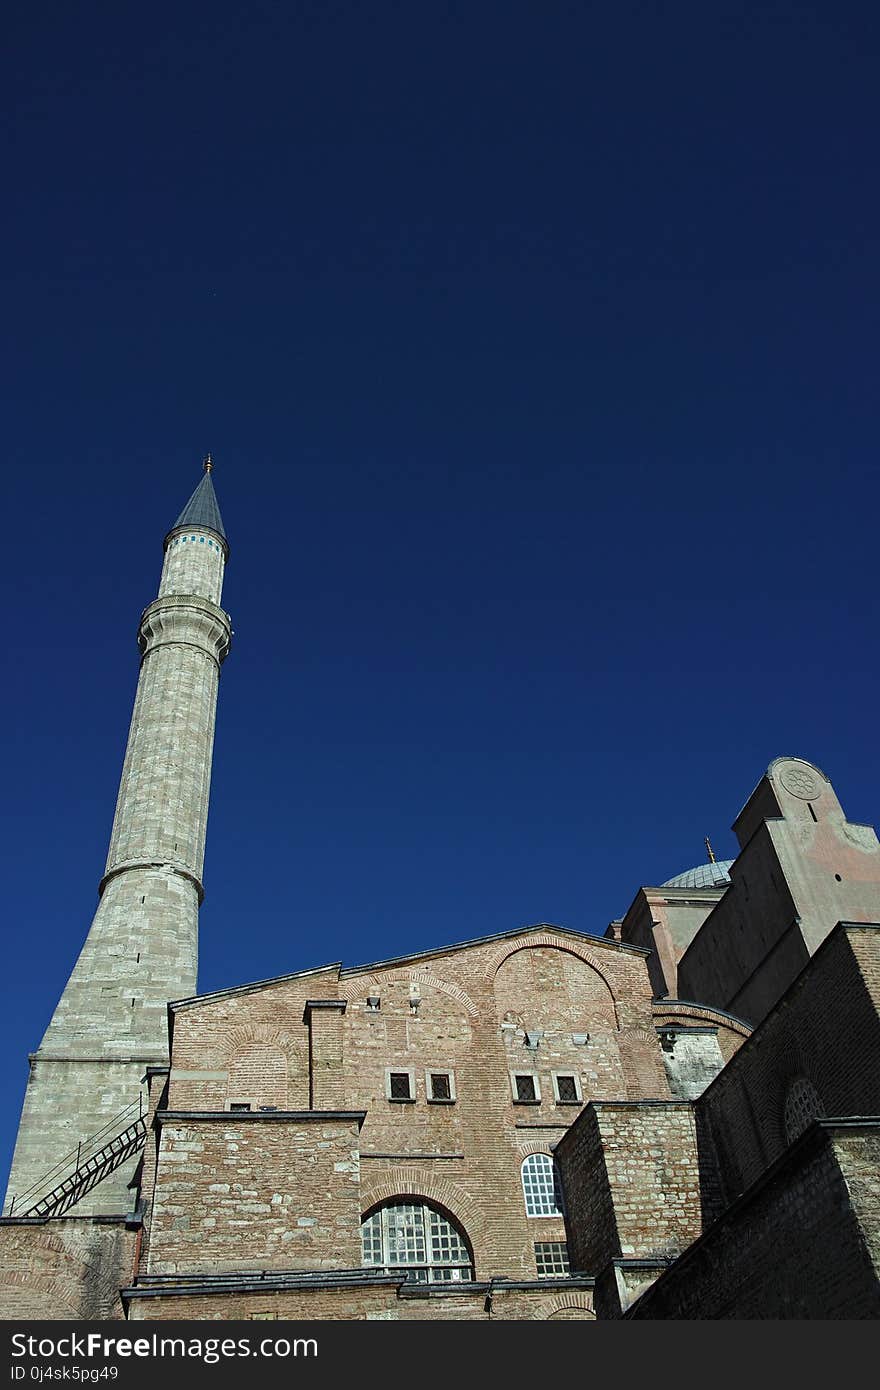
[812,812]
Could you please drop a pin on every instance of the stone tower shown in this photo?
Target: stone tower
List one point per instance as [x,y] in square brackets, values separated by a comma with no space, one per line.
[141,951]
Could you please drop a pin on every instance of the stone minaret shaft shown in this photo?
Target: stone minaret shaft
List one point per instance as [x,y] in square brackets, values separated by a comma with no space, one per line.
[142,949]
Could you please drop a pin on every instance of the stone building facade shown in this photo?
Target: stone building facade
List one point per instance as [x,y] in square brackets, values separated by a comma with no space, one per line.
[676,1120]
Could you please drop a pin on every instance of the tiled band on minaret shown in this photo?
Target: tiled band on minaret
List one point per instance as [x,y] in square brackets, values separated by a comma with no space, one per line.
[142,948]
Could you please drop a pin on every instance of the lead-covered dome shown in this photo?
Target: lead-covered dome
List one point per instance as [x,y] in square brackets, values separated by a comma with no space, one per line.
[713,875]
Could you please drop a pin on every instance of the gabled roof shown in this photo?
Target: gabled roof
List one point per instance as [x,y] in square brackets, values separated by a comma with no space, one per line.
[602,942]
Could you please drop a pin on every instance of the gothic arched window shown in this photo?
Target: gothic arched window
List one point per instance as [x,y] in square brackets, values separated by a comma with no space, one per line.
[541,1187]
[416,1239]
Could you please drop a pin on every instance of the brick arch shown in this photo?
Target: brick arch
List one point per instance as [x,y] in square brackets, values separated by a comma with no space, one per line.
[639,1035]
[416,1182]
[373,985]
[268,1033]
[49,1301]
[74,1263]
[359,988]
[668,1010]
[557,943]
[571,1304]
[534,1146]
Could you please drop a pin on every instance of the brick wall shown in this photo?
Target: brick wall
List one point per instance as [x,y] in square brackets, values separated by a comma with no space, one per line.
[825,1032]
[466,1011]
[800,1244]
[66,1269]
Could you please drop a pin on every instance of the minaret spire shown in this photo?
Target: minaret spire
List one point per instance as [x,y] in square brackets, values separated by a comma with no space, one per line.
[142,948]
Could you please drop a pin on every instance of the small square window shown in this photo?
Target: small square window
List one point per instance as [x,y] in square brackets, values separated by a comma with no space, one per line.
[526,1090]
[373,1002]
[551,1259]
[400,1085]
[567,1088]
[440,1087]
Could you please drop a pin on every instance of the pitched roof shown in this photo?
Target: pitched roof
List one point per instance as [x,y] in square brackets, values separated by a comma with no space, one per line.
[202,510]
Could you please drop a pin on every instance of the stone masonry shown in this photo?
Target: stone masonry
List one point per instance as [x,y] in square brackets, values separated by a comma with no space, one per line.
[142,947]
[679,1119]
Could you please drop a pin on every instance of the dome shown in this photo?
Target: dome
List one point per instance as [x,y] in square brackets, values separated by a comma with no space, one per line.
[715,875]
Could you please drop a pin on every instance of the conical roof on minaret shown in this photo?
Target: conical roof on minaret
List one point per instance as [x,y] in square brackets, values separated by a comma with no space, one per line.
[202,510]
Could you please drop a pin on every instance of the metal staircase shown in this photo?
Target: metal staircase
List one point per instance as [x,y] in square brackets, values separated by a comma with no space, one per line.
[88,1172]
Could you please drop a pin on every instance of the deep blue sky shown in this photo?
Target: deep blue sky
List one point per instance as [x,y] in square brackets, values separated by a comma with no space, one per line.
[536,345]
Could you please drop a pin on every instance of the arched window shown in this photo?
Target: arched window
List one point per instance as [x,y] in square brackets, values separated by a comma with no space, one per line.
[416,1239]
[803,1105]
[541,1187]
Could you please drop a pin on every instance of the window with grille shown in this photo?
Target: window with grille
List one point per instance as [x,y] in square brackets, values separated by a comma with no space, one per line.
[441,1085]
[417,1240]
[541,1187]
[803,1105]
[551,1259]
[568,1091]
[400,1085]
[525,1087]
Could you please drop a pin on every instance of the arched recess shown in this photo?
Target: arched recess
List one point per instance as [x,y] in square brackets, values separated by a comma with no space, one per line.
[544,980]
[643,1069]
[263,1064]
[559,943]
[359,989]
[258,1070]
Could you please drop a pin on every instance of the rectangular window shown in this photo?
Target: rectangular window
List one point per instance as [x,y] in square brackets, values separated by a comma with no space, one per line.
[526,1090]
[239,1105]
[440,1086]
[400,1085]
[567,1088]
[551,1259]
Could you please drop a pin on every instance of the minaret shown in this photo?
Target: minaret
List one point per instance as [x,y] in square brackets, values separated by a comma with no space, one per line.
[142,947]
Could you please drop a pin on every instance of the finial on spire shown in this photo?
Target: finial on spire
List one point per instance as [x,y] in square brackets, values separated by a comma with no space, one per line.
[208,464]
[710,851]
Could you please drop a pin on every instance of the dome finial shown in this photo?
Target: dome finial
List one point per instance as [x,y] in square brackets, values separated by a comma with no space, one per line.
[709,851]
[208,464]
